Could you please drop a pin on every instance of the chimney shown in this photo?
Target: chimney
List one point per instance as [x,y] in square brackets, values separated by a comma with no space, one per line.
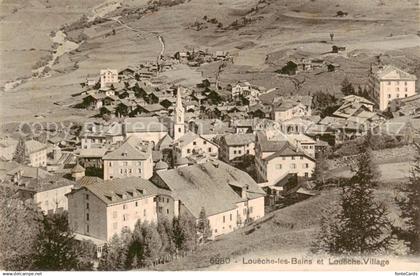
[244,192]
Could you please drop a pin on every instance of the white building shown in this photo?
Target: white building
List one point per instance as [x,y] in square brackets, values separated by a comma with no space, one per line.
[276,158]
[389,83]
[229,196]
[289,109]
[132,158]
[303,142]
[108,77]
[193,144]
[102,209]
[146,128]
[234,146]
[36,153]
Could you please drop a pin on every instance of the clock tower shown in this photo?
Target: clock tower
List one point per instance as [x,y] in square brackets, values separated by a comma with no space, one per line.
[179,127]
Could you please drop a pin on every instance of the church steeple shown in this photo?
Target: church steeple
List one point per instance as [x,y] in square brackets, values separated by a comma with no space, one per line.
[179,127]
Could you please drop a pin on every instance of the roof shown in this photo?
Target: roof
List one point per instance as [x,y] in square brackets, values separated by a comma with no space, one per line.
[121,190]
[144,124]
[239,139]
[133,148]
[87,180]
[209,186]
[47,183]
[161,165]
[78,168]
[34,146]
[390,72]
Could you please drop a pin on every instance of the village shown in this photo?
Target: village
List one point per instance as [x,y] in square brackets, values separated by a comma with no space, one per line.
[155,150]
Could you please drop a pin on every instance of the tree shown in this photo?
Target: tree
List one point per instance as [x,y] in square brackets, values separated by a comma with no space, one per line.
[56,248]
[19,228]
[184,233]
[203,227]
[164,229]
[321,167]
[409,203]
[20,152]
[152,243]
[114,255]
[347,88]
[361,225]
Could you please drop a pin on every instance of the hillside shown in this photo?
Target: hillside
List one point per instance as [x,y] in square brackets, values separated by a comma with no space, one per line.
[261,35]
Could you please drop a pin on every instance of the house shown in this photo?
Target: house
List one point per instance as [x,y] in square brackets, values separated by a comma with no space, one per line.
[146,128]
[132,158]
[47,191]
[245,89]
[286,109]
[405,106]
[209,128]
[7,148]
[108,77]
[303,142]
[233,146]
[36,153]
[193,144]
[229,196]
[388,83]
[100,210]
[353,104]
[276,157]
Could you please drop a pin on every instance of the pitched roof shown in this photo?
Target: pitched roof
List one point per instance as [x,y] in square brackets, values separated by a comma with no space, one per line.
[34,146]
[144,124]
[239,139]
[121,190]
[208,185]
[132,149]
[390,72]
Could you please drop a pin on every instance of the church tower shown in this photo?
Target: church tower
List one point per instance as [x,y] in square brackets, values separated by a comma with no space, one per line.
[179,127]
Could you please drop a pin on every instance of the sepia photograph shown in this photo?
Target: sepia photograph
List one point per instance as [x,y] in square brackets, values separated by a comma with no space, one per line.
[141,136]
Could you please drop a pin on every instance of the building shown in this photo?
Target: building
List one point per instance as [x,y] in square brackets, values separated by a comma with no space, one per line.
[146,128]
[108,77]
[303,142]
[179,126]
[193,144]
[100,210]
[132,158]
[276,157]
[36,153]
[229,196]
[233,146]
[46,190]
[388,83]
[287,109]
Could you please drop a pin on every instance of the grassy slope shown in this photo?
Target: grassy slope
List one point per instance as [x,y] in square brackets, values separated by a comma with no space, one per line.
[283,28]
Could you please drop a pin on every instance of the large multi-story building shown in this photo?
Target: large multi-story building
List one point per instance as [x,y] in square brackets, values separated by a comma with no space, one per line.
[132,158]
[193,144]
[388,83]
[233,146]
[229,196]
[102,209]
[276,157]
[36,153]
[108,77]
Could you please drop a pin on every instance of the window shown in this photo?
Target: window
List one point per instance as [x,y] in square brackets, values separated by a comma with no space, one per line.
[306,175]
[209,149]
[293,158]
[125,217]
[247,151]
[110,164]
[239,151]
[234,152]
[306,165]
[144,212]
[139,170]
[124,206]
[301,158]
[87,197]
[293,166]
[87,206]
[188,151]
[125,163]
[139,163]
[204,142]
[397,89]
[167,200]
[87,216]
[137,203]
[406,95]
[389,96]
[278,166]
[231,217]
[398,95]
[130,170]
[405,89]
[167,211]
[194,143]
[121,171]
[389,83]
[224,219]
[405,83]
[87,228]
